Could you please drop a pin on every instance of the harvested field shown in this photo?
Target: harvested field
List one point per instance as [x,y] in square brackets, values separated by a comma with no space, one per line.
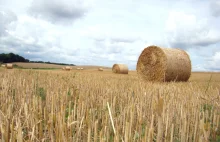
[39,105]
[53,66]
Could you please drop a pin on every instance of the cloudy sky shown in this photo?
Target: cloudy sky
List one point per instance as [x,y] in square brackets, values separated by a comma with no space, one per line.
[104,32]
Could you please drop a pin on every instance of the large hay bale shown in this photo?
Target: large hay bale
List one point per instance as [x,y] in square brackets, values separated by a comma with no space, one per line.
[163,64]
[120,68]
[9,66]
[100,69]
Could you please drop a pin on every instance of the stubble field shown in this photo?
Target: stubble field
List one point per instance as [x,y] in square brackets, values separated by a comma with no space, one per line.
[96,106]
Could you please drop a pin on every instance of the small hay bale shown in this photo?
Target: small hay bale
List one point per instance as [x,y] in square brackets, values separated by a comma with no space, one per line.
[120,68]
[163,64]
[67,68]
[81,68]
[3,66]
[100,69]
[9,66]
[78,68]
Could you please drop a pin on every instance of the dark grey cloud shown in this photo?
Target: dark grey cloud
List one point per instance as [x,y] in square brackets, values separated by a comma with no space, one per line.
[215,8]
[193,38]
[58,11]
[6,17]
[186,44]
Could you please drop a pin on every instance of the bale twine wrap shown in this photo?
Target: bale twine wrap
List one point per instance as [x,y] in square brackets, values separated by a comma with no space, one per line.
[100,69]
[120,68]
[163,64]
[9,66]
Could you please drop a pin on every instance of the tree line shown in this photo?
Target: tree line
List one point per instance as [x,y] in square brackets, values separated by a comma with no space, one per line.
[11,57]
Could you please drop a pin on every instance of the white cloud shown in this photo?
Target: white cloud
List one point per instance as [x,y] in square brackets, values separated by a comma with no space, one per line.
[187,31]
[214,62]
[107,32]
[7,18]
[215,8]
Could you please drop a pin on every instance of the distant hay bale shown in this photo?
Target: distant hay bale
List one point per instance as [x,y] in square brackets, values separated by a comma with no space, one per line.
[67,68]
[63,68]
[78,68]
[100,69]
[163,64]
[81,68]
[9,66]
[120,68]
[3,66]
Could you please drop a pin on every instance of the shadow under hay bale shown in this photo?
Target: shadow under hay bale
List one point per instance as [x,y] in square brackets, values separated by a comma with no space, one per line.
[163,64]
[120,68]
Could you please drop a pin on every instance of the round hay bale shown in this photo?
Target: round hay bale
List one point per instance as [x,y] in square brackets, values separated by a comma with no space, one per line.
[67,68]
[81,68]
[100,69]
[78,68]
[163,64]
[9,66]
[3,66]
[120,68]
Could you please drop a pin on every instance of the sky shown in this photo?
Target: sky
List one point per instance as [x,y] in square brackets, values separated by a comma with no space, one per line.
[104,32]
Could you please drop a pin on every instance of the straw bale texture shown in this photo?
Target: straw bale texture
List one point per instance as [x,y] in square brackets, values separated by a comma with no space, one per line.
[163,64]
[9,66]
[100,69]
[120,68]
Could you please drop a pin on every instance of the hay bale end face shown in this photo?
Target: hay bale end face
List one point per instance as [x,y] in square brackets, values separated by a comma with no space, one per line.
[9,66]
[120,68]
[163,64]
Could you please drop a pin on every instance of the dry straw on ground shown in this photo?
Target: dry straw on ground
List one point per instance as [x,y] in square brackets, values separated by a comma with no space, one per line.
[163,64]
[9,66]
[120,68]
[100,69]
